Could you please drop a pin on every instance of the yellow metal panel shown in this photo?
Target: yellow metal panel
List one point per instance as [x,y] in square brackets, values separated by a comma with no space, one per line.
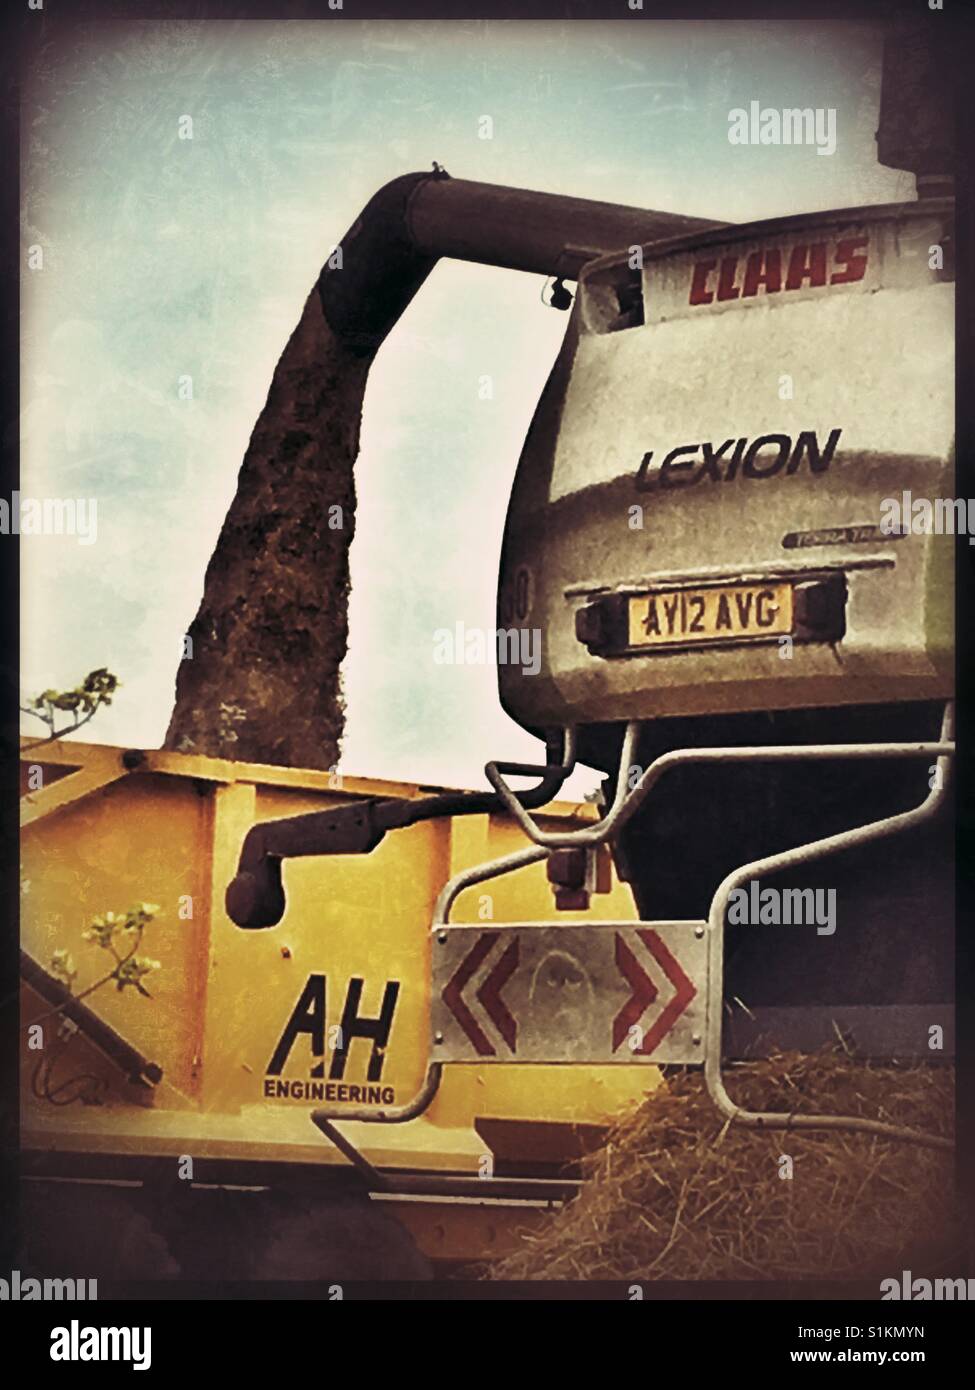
[142,839]
[98,770]
[463,1229]
[355,917]
[170,832]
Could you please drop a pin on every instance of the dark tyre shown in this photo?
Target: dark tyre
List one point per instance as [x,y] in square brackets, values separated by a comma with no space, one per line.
[91,1231]
[221,1235]
[348,1239]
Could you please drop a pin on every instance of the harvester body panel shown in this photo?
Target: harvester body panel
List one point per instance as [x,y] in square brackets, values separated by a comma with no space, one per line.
[703,518]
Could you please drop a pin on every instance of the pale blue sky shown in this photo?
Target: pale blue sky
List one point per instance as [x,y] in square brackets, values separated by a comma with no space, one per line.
[166,257]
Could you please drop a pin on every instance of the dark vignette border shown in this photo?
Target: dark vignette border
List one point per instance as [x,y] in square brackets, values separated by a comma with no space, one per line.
[23,29]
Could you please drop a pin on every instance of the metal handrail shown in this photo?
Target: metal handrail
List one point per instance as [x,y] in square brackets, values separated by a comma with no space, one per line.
[627,803]
[804,854]
[456,885]
[397,1114]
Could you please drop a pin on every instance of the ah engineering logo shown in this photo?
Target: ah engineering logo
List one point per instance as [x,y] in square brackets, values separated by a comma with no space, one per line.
[309,1020]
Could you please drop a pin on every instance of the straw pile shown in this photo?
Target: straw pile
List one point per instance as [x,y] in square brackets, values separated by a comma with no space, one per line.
[676,1193]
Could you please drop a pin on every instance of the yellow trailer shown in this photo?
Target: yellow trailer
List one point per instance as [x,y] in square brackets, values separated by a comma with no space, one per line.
[209,1084]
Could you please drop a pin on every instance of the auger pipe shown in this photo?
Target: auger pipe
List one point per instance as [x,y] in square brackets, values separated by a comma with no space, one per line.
[416,219]
[255,897]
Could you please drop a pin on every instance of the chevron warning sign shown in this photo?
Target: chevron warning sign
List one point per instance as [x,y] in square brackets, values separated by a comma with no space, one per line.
[645,994]
[593,992]
[489,994]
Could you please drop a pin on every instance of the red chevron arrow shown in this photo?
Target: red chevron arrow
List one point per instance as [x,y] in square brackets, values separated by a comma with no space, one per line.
[684,989]
[645,992]
[490,995]
[451,993]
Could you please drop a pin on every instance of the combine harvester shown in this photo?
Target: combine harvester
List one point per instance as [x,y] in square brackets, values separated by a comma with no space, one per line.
[439,1020]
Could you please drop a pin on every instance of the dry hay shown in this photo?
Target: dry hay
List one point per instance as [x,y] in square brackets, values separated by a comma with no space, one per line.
[676,1193]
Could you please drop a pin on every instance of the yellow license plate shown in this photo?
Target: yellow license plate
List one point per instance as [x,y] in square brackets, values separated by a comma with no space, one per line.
[720,613]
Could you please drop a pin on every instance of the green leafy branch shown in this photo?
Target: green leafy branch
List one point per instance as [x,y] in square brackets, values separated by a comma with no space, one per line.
[120,934]
[81,703]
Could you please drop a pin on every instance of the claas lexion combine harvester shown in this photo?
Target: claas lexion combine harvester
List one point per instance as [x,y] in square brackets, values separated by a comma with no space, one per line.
[761,671]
